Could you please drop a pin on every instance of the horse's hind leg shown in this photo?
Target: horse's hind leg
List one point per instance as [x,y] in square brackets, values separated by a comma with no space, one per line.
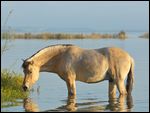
[121,86]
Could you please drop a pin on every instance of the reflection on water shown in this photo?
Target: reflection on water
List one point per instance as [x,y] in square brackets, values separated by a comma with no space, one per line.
[122,103]
[30,106]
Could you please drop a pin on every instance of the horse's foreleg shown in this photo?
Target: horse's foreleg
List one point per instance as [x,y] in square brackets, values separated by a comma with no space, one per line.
[71,103]
[112,89]
[71,86]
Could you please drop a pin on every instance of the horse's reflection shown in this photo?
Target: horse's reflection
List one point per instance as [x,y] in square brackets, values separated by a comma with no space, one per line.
[122,103]
[30,106]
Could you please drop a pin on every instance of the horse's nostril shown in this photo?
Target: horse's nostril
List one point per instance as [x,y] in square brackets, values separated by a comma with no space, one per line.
[25,88]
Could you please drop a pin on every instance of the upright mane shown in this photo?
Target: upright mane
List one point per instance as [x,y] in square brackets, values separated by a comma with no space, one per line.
[48,48]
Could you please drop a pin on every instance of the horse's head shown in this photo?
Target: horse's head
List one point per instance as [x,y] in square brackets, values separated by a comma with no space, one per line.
[31,72]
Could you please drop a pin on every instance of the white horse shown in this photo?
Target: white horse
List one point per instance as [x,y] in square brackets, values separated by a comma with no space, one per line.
[73,63]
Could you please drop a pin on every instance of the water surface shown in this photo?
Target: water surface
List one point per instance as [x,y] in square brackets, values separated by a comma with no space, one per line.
[50,92]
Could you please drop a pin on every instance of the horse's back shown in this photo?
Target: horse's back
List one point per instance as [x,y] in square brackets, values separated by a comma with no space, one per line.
[114,54]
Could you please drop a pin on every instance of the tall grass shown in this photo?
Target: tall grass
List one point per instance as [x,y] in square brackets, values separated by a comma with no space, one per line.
[11,89]
[6,35]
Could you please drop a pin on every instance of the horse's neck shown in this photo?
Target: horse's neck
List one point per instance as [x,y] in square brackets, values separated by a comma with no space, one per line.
[48,57]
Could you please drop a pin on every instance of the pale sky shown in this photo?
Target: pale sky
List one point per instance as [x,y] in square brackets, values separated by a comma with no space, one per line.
[96,15]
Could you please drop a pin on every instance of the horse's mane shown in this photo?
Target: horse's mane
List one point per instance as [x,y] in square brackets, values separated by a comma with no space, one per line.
[48,47]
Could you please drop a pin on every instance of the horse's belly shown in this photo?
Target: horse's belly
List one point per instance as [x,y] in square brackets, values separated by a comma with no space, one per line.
[89,77]
[90,67]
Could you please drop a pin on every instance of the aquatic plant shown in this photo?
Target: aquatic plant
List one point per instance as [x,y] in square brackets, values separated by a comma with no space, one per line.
[11,89]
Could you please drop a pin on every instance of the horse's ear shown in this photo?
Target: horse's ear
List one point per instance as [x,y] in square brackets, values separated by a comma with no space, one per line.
[23,60]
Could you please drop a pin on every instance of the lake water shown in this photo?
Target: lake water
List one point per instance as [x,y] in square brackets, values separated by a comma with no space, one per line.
[50,92]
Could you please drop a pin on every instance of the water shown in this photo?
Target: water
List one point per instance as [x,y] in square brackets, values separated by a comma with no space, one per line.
[50,92]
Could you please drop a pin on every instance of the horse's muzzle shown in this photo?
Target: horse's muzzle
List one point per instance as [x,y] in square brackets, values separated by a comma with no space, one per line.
[24,87]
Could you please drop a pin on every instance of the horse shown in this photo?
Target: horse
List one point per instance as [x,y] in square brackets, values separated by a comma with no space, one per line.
[72,63]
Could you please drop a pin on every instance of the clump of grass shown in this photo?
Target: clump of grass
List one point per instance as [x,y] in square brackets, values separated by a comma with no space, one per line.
[11,89]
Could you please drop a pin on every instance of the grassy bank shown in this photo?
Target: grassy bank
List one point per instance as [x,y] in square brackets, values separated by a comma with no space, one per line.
[11,87]
[48,35]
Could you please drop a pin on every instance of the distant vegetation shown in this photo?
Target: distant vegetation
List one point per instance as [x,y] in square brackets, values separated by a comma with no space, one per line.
[11,89]
[145,35]
[48,35]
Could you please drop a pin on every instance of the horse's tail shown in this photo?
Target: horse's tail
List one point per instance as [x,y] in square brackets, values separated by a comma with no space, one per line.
[130,79]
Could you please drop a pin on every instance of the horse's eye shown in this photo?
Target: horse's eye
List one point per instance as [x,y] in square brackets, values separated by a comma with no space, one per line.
[30,72]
